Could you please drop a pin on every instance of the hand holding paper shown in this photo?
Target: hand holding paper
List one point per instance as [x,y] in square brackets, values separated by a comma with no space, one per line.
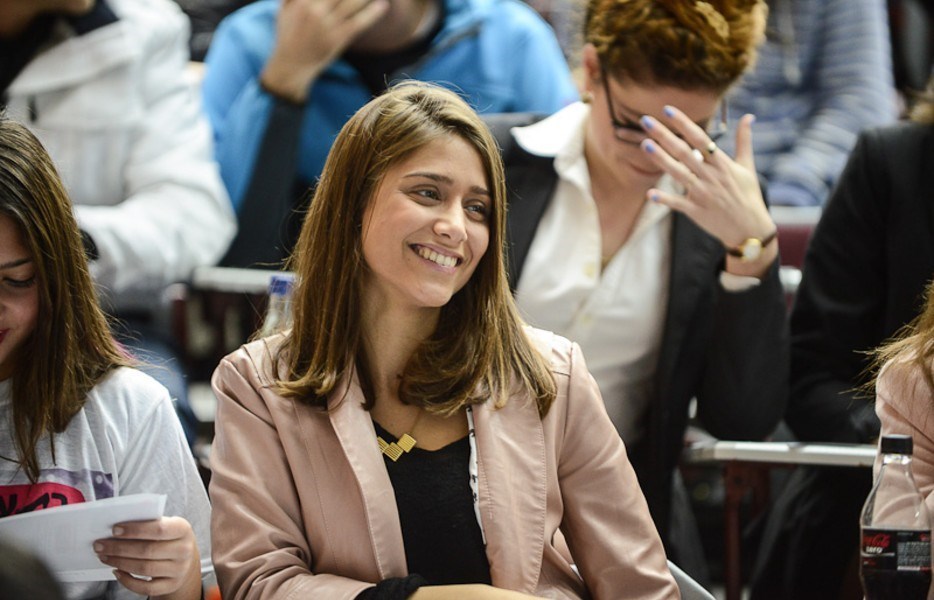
[161,554]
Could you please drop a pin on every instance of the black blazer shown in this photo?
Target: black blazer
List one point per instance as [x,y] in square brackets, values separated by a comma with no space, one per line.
[863,278]
[729,350]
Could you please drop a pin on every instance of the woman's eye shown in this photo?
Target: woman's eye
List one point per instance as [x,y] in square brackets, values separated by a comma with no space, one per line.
[428,193]
[20,283]
[478,211]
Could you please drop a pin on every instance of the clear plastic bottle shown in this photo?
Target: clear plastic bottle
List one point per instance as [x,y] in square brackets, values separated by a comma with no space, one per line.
[279,308]
[895,529]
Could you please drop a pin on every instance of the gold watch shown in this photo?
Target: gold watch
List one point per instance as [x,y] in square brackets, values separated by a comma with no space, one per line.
[751,248]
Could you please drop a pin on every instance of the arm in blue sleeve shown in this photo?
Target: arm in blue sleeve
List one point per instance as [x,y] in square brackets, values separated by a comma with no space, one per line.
[853,76]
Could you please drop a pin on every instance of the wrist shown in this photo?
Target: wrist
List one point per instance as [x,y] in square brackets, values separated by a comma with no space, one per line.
[285,83]
[751,249]
[753,268]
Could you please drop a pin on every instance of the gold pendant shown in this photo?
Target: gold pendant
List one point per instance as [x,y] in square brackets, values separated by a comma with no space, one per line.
[396,449]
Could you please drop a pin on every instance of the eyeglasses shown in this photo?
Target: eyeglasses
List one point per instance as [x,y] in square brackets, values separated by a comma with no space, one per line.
[630,132]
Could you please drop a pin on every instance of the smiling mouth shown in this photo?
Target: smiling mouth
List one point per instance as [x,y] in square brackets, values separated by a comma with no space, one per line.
[435,257]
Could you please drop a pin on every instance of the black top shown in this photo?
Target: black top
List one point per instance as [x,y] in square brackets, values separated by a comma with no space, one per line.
[865,270]
[439,526]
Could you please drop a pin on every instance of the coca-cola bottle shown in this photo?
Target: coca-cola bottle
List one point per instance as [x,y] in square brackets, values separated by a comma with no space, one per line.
[895,529]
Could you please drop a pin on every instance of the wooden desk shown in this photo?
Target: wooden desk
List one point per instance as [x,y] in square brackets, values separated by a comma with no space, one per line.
[746,467]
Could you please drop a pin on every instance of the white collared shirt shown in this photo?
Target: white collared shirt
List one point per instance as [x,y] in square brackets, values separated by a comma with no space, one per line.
[616,316]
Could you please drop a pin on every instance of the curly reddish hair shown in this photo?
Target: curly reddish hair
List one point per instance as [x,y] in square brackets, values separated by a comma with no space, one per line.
[686,44]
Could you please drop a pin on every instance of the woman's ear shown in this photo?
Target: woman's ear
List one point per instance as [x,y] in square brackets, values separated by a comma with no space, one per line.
[590,63]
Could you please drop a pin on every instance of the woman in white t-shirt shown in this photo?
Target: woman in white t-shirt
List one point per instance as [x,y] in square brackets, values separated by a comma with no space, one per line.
[76,423]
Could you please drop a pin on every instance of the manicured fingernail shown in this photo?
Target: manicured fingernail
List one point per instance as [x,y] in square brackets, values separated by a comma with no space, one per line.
[118,530]
[98,547]
[653,196]
[669,111]
[752,119]
[647,121]
[649,147]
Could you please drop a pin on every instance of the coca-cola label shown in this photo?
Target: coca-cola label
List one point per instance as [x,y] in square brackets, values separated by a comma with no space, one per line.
[896,549]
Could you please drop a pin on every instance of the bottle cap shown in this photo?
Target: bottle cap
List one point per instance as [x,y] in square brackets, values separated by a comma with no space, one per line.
[281,284]
[896,444]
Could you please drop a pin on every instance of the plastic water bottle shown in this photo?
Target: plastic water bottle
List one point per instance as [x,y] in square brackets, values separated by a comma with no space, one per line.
[279,308]
[895,529]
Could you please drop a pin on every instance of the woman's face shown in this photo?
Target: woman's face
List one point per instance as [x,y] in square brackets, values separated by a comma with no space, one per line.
[427,227]
[19,295]
[615,149]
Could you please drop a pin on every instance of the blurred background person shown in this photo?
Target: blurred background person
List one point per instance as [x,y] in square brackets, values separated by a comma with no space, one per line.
[633,234]
[77,424]
[905,394]
[823,75]
[864,276]
[102,83]
[283,77]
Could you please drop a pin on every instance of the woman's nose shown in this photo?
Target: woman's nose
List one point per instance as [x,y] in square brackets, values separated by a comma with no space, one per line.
[452,224]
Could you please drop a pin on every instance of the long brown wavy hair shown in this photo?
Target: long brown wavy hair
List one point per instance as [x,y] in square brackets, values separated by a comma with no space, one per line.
[479,350]
[71,348]
[704,45]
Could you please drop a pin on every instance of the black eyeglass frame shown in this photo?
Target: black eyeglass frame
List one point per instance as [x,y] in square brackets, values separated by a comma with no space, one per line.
[635,128]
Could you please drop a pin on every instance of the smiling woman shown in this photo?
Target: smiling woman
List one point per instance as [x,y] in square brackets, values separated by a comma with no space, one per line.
[409,437]
[425,231]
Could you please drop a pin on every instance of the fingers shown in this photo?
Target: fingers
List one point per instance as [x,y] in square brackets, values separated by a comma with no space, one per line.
[147,587]
[357,14]
[161,551]
[678,203]
[677,168]
[744,152]
[673,146]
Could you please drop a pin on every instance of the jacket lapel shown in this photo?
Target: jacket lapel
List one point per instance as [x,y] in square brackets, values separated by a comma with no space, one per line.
[693,254]
[513,494]
[530,185]
[354,429]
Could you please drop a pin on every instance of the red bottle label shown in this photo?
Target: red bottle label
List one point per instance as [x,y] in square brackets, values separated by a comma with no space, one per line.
[898,549]
[895,563]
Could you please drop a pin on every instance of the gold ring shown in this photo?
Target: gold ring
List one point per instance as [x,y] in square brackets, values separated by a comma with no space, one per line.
[711,147]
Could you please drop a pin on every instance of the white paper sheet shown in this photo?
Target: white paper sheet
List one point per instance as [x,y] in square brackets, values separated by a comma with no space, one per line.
[63,537]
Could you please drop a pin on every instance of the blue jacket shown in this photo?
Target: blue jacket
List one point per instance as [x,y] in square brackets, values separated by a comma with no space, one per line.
[499,54]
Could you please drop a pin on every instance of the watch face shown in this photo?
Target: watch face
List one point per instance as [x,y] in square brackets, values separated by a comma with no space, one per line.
[751,249]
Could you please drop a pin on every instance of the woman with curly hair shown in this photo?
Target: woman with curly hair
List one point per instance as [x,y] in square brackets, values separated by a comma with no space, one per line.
[633,234]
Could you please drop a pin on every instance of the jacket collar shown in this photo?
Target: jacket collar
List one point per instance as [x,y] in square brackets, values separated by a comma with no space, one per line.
[354,428]
[513,491]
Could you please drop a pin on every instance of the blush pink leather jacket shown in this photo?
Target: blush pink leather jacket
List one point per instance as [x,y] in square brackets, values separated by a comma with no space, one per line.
[303,506]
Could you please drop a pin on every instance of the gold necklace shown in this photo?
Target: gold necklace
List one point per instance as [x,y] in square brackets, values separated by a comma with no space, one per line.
[401,446]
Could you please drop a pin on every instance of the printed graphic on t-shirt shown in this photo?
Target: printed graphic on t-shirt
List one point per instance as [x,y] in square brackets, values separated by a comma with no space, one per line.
[56,487]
